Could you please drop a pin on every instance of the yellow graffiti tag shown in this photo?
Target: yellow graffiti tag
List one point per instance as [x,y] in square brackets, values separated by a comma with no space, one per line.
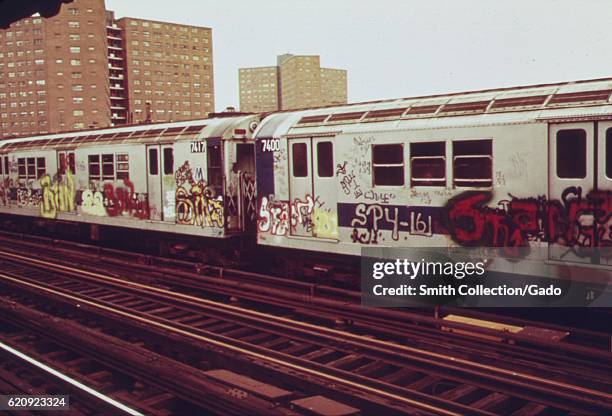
[325,223]
[195,208]
[57,196]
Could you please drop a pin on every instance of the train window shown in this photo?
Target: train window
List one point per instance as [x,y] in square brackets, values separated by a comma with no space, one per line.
[299,157]
[215,174]
[21,168]
[153,162]
[41,167]
[428,164]
[325,159]
[123,166]
[571,154]
[388,164]
[608,153]
[31,162]
[94,167]
[108,167]
[168,161]
[72,163]
[473,163]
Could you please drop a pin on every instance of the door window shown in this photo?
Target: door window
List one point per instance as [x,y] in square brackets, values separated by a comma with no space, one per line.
[153,162]
[571,154]
[325,159]
[299,154]
[168,161]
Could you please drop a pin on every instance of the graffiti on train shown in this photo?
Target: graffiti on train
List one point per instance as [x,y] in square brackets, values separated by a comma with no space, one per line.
[58,195]
[576,220]
[370,221]
[114,201]
[5,191]
[196,202]
[348,180]
[302,216]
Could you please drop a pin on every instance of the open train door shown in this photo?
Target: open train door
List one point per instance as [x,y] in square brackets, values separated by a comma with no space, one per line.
[579,192]
[241,197]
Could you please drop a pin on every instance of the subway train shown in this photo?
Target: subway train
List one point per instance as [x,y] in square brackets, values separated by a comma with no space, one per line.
[523,167]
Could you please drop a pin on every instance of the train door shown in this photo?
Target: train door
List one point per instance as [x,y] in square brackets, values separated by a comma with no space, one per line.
[4,181]
[300,186]
[578,213]
[325,189]
[240,204]
[160,182]
[604,188]
[312,188]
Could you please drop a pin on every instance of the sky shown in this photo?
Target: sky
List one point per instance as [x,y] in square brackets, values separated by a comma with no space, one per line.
[401,48]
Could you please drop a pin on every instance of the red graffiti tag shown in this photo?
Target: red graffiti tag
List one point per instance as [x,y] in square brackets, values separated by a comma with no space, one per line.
[123,200]
[574,221]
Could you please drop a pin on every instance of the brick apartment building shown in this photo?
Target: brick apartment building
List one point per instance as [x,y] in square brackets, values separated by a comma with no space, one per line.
[297,81]
[84,69]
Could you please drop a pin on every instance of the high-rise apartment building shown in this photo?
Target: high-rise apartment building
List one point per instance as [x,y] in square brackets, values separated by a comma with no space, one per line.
[169,70]
[297,81]
[85,69]
[53,72]
[259,89]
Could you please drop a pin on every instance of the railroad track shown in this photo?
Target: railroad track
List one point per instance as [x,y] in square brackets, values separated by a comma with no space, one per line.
[24,371]
[327,305]
[192,276]
[397,377]
[136,380]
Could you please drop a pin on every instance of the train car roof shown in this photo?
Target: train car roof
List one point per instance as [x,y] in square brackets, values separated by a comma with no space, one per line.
[222,128]
[589,99]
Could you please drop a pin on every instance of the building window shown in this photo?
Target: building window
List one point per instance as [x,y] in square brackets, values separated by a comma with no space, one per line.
[472,163]
[299,157]
[325,159]
[73,25]
[428,164]
[388,164]
[123,166]
[75,49]
[571,154]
